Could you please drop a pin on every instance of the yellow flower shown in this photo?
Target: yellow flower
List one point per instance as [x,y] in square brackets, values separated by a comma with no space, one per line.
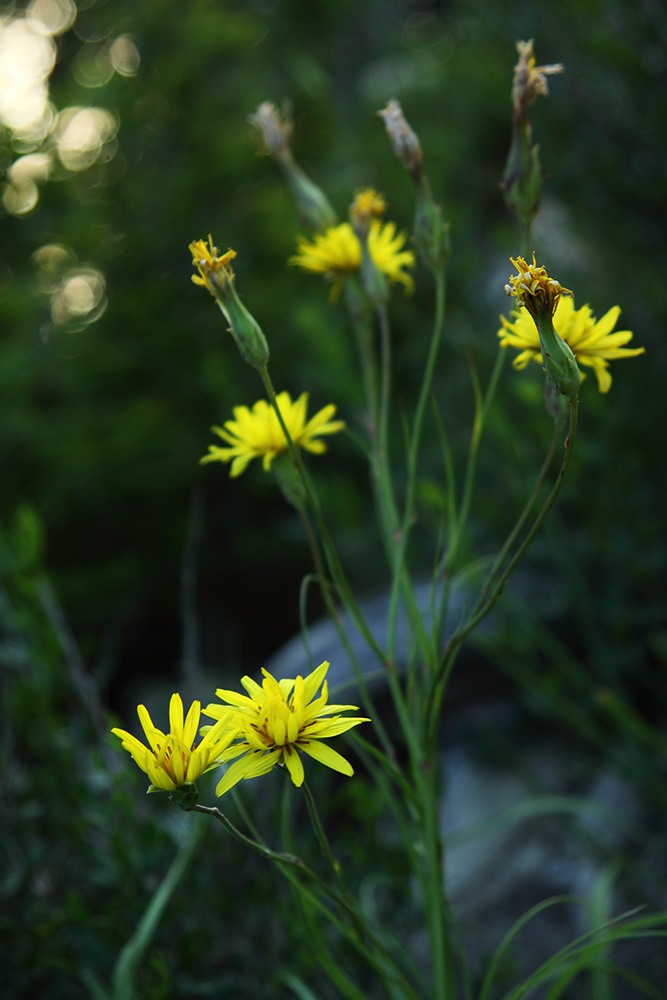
[590,340]
[533,288]
[214,271]
[174,760]
[367,205]
[256,433]
[337,252]
[277,722]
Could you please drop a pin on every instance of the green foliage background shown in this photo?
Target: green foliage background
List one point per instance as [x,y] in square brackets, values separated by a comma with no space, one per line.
[102,427]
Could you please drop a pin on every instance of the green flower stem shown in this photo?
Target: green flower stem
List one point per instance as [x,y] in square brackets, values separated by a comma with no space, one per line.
[511,538]
[436,903]
[483,407]
[334,868]
[290,865]
[134,951]
[386,487]
[325,588]
[457,638]
[387,501]
[337,572]
[525,228]
[413,453]
[359,313]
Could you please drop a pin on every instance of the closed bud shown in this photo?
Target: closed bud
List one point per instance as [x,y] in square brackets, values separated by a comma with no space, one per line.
[403,139]
[315,210]
[246,331]
[522,179]
[431,232]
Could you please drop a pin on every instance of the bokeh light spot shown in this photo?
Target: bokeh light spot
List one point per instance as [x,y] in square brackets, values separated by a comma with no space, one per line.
[55,16]
[125,56]
[79,297]
[80,134]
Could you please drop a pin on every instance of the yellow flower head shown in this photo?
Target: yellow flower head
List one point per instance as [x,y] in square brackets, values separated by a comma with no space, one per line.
[534,289]
[367,205]
[530,81]
[277,722]
[214,271]
[257,433]
[337,252]
[591,341]
[173,760]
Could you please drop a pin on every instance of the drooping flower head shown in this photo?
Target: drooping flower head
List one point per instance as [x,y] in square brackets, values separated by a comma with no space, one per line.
[591,341]
[173,759]
[257,433]
[276,722]
[337,253]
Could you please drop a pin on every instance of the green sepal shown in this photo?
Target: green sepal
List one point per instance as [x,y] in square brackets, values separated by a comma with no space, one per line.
[431,233]
[522,180]
[245,329]
[560,364]
[185,796]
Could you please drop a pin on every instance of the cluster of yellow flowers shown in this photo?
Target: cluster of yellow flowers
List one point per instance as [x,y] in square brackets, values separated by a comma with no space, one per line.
[274,723]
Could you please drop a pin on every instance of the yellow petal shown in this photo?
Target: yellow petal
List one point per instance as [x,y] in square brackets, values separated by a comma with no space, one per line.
[294,765]
[330,758]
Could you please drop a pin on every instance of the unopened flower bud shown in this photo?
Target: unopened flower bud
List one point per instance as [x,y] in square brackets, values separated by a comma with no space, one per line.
[522,179]
[403,139]
[431,232]
[314,208]
[276,129]
[216,274]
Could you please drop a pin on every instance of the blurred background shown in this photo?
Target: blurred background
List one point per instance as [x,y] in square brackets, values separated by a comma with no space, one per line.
[129,571]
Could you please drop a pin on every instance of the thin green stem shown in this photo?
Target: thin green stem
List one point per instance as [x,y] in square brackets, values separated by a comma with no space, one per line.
[513,535]
[325,588]
[323,840]
[460,634]
[441,958]
[413,454]
[337,572]
[386,487]
[459,522]
[290,865]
